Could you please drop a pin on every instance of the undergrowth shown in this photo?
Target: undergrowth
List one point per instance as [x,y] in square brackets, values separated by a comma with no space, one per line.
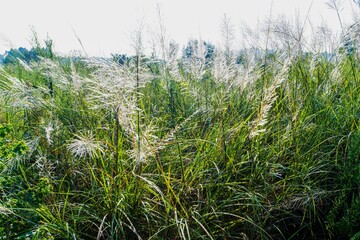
[261,146]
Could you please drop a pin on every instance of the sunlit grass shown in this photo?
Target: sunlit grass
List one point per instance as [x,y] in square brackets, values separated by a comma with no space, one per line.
[260,146]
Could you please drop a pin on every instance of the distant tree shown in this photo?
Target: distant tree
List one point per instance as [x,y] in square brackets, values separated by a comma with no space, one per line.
[192,49]
[210,50]
[25,55]
[33,54]
[119,58]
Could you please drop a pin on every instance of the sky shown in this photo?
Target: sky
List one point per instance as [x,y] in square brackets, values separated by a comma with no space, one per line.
[106,26]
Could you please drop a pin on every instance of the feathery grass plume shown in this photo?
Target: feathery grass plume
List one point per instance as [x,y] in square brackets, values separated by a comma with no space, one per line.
[48,131]
[76,79]
[33,144]
[84,145]
[12,163]
[267,32]
[251,37]
[323,39]
[143,144]
[57,75]
[5,211]
[351,38]
[20,94]
[112,78]
[24,65]
[150,144]
[335,76]
[247,74]
[168,48]
[172,61]
[138,45]
[290,35]
[261,40]
[114,87]
[46,166]
[195,63]
[162,35]
[169,137]
[224,70]
[137,39]
[258,125]
[336,5]
[301,200]
[53,70]
[228,35]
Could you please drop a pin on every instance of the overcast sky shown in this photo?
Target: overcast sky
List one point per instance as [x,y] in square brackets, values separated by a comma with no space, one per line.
[105,26]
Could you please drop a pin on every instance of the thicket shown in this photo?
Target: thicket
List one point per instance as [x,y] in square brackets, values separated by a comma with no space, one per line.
[262,145]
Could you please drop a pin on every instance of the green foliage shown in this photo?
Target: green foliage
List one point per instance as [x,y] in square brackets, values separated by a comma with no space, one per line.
[140,148]
[10,147]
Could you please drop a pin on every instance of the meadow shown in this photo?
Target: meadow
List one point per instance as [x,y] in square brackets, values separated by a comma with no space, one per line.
[261,142]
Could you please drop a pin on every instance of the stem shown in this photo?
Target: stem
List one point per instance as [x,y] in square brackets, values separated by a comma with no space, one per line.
[138,112]
[116,140]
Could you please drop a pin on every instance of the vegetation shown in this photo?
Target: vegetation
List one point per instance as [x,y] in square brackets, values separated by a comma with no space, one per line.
[214,145]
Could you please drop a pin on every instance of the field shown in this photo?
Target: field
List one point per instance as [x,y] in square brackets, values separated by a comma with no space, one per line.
[257,143]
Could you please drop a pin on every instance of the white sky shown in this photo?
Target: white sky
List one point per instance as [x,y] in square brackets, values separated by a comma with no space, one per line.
[105,26]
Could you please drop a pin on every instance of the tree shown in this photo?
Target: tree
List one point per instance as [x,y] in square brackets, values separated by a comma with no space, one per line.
[192,50]
[119,58]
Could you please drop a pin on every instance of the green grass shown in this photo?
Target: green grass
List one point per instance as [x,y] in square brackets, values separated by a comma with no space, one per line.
[92,149]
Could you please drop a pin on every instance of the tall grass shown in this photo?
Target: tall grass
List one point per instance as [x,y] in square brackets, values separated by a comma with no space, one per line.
[169,148]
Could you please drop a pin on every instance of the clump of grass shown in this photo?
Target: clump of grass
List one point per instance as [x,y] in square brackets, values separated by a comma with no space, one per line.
[260,143]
